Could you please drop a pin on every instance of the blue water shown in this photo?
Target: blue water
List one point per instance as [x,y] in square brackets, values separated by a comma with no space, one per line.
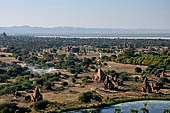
[154,106]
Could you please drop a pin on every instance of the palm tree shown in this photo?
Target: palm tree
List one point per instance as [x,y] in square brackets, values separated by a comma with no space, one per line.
[144,110]
[134,111]
[117,110]
[166,111]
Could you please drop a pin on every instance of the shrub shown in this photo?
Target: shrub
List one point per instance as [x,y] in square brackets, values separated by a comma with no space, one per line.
[8,108]
[2,71]
[105,64]
[134,111]
[138,70]
[3,77]
[41,105]
[86,79]
[86,97]
[64,83]
[48,85]
[124,76]
[92,67]
[97,98]
[12,108]
[93,111]
[73,80]
[75,76]
[164,79]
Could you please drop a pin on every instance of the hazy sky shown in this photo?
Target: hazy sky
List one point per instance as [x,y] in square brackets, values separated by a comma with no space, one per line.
[86,13]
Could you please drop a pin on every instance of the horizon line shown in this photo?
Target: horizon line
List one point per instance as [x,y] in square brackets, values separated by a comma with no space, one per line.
[87,27]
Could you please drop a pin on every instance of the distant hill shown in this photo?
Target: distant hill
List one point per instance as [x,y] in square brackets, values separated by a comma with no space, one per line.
[76,30]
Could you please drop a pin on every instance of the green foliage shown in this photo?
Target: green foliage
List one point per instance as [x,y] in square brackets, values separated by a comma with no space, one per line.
[3,78]
[2,71]
[8,108]
[138,70]
[164,80]
[92,67]
[94,111]
[17,70]
[89,96]
[97,97]
[64,83]
[48,84]
[41,105]
[128,52]
[166,111]
[86,97]
[134,111]
[73,80]
[75,50]
[13,108]
[135,89]
[136,78]
[117,110]
[51,112]
[86,79]
[144,110]
[75,76]
[124,76]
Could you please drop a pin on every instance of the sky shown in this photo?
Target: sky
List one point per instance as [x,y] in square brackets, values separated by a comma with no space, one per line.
[126,14]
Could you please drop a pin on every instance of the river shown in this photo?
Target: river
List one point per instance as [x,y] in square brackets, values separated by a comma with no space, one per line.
[154,106]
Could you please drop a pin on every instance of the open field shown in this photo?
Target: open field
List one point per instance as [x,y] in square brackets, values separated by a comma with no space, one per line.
[118,67]
[7,59]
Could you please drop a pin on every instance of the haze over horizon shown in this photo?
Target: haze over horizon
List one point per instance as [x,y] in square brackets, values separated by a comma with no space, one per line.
[115,14]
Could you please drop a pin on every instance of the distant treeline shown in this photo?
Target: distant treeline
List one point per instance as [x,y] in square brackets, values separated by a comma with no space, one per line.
[29,42]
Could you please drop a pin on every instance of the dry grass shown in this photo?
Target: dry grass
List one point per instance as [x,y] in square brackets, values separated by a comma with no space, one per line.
[69,95]
[122,67]
[5,53]
[7,59]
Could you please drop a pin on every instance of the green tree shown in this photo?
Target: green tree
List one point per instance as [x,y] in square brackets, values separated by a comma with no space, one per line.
[40,105]
[117,110]
[73,80]
[86,97]
[136,78]
[144,110]
[138,70]
[129,52]
[134,111]
[97,98]
[166,111]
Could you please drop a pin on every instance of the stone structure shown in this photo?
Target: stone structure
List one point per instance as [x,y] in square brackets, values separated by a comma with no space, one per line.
[36,96]
[162,75]
[156,86]
[108,84]
[146,86]
[116,81]
[100,76]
